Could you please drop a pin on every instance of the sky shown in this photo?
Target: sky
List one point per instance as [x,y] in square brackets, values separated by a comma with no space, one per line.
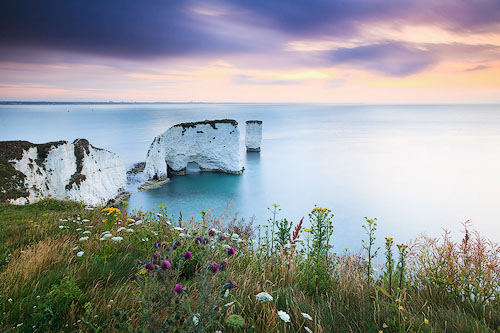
[301,51]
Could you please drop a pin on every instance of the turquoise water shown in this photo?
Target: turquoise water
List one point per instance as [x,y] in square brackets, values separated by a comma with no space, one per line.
[416,168]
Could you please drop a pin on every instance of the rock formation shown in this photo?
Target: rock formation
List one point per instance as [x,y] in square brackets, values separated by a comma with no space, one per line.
[60,170]
[214,145]
[253,135]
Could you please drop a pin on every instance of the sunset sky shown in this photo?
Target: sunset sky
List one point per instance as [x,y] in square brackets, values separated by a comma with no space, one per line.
[325,51]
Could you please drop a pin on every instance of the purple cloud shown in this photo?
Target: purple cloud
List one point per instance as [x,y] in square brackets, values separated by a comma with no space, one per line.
[392,58]
[247,79]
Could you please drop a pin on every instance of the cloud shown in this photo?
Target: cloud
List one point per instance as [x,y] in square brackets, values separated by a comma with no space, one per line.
[253,80]
[395,59]
[476,68]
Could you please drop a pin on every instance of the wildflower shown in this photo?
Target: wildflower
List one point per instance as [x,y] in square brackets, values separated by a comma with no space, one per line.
[400,307]
[223,264]
[264,297]
[120,229]
[305,315]
[196,320]
[179,289]
[188,255]
[212,266]
[117,239]
[198,240]
[79,254]
[38,297]
[165,264]
[235,322]
[62,226]
[388,239]
[229,285]
[308,230]
[130,230]
[226,293]
[284,316]
[308,330]
[179,229]
[125,203]
[142,271]
[10,300]
[150,266]
[79,229]
[84,238]
[75,248]
[235,236]
[384,325]
[182,234]
[212,232]
[138,222]
[426,321]
[228,304]
[86,232]
[231,251]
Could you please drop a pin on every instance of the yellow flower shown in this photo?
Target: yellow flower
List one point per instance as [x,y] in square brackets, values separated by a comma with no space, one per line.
[384,325]
[142,271]
[86,305]
[380,331]
[426,321]
[308,230]
[388,239]
[124,202]
[400,307]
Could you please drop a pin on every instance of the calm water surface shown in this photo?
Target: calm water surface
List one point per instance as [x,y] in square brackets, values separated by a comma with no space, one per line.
[416,168]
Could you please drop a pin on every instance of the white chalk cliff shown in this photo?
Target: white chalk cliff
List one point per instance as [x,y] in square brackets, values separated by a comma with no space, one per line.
[213,145]
[61,170]
[253,135]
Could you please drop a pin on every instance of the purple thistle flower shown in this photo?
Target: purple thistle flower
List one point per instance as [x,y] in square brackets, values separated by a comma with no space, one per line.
[179,289]
[188,255]
[165,264]
[231,251]
[211,232]
[223,264]
[198,240]
[212,266]
[157,244]
[150,266]
[230,285]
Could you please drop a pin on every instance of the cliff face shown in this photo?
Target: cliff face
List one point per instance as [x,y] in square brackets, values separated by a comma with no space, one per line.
[253,135]
[213,145]
[61,170]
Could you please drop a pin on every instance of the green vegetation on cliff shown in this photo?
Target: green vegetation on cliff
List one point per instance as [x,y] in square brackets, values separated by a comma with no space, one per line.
[67,267]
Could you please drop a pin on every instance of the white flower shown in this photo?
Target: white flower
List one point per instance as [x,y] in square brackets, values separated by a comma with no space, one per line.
[85,220]
[89,226]
[235,236]
[226,293]
[228,304]
[106,232]
[196,320]
[106,236]
[117,239]
[84,238]
[308,330]
[62,227]
[264,297]
[86,232]
[179,229]
[159,215]
[75,248]
[79,229]
[145,239]
[10,300]
[138,222]
[79,254]
[284,316]
[130,230]
[226,246]
[305,315]
[182,234]
[120,229]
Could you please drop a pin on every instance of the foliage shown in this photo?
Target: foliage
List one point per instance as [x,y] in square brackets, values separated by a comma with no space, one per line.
[61,273]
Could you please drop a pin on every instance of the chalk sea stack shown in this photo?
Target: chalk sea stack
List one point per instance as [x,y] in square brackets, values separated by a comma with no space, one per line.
[212,144]
[61,170]
[253,137]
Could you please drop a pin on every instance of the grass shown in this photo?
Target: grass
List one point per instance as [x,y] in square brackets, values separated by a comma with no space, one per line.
[429,285]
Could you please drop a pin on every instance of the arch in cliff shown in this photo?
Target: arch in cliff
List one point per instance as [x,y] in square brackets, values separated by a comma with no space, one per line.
[212,144]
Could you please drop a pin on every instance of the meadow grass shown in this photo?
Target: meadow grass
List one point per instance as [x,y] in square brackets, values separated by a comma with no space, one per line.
[67,267]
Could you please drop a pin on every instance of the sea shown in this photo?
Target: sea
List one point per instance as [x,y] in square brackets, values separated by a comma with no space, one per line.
[418,169]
